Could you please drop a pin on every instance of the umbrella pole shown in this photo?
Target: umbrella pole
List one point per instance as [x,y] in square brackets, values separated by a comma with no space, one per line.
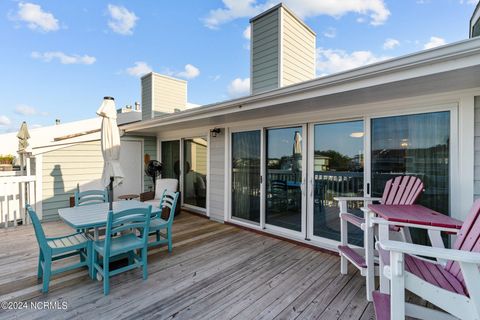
[110,193]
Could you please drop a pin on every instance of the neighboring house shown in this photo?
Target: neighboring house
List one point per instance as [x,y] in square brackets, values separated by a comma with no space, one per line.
[417,114]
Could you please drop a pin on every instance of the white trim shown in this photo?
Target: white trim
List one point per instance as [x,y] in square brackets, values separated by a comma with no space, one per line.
[280,46]
[39,185]
[228,182]
[207,191]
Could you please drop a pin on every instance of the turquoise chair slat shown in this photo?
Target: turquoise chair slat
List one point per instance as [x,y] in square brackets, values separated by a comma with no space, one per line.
[114,245]
[90,197]
[57,248]
[169,200]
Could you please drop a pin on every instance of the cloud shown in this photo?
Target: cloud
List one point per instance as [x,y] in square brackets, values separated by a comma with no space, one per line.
[63,58]
[472,2]
[190,72]
[26,110]
[4,120]
[390,44]
[335,60]
[330,33]
[215,77]
[122,21]
[434,42]
[239,87]
[247,33]
[376,10]
[139,69]
[36,18]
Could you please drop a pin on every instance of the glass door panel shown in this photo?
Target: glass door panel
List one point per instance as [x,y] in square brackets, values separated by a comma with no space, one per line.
[246,175]
[284,178]
[417,144]
[195,172]
[171,159]
[337,171]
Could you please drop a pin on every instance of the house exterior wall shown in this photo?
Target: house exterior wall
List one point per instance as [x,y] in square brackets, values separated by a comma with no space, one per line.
[81,163]
[298,50]
[216,191]
[477,149]
[162,94]
[146,84]
[265,52]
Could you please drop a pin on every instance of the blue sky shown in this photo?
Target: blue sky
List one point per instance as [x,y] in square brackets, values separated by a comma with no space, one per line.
[58,60]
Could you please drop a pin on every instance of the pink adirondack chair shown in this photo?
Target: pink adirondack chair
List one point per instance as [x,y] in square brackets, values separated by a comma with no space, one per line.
[453,287]
[401,190]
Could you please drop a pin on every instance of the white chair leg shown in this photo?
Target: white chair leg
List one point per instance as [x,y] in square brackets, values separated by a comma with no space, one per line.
[343,237]
[368,243]
[397,283]
[383,235]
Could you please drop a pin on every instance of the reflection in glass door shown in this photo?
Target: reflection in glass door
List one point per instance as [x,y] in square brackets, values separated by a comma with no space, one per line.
[246,175]
[195,172]
[337,171]
[416,144]
[284,176]
[171,159]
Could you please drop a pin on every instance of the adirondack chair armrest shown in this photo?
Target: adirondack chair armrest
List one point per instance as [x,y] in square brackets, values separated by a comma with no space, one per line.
[64,236]
[432,252]
[356,199]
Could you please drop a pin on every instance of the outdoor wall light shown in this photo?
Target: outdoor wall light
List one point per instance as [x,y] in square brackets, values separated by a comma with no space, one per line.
[214,132]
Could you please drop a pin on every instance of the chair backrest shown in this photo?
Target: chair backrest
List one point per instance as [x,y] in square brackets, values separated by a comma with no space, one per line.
[130,219]
[468,238]
[90,197]
[278,186]
[169,200]
[37,226]
[165,184]
[402,190]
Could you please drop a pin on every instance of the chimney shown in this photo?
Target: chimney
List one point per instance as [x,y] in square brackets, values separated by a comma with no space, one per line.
[162,95]
[282,50]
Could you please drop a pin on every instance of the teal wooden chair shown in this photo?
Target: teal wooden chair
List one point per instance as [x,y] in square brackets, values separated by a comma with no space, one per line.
[169,200]
[54,249]
[112,246]
[90,197]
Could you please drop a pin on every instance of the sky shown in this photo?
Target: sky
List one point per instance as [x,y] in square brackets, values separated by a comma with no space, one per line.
[60,58]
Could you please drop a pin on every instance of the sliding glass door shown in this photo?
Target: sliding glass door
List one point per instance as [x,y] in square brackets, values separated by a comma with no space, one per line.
[245,175]
[417,144]
[337,168]
[285,178]
[195,172]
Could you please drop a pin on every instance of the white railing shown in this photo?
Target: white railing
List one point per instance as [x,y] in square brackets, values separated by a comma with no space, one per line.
[16,189]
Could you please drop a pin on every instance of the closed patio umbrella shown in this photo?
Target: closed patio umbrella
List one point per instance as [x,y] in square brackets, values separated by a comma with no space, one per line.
[297,151]
[110,139]
[23,135]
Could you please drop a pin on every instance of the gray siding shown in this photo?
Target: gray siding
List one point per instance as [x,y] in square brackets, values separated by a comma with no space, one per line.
[217,177]
[265,52]
[146,97]
[298,51]
[477,149]
[80,163]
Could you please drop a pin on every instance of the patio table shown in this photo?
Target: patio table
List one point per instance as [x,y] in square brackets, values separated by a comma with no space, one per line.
[415,216]
[95,216]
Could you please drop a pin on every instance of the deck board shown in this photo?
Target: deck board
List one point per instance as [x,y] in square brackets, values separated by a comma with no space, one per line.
[216,271]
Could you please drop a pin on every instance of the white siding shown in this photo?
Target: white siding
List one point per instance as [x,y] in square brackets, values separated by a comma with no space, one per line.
[217,176]
[82,164]
[298,50]
[265,52]
[477,148]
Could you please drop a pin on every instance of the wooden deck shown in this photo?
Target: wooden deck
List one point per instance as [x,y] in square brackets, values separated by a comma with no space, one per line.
[215,272]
